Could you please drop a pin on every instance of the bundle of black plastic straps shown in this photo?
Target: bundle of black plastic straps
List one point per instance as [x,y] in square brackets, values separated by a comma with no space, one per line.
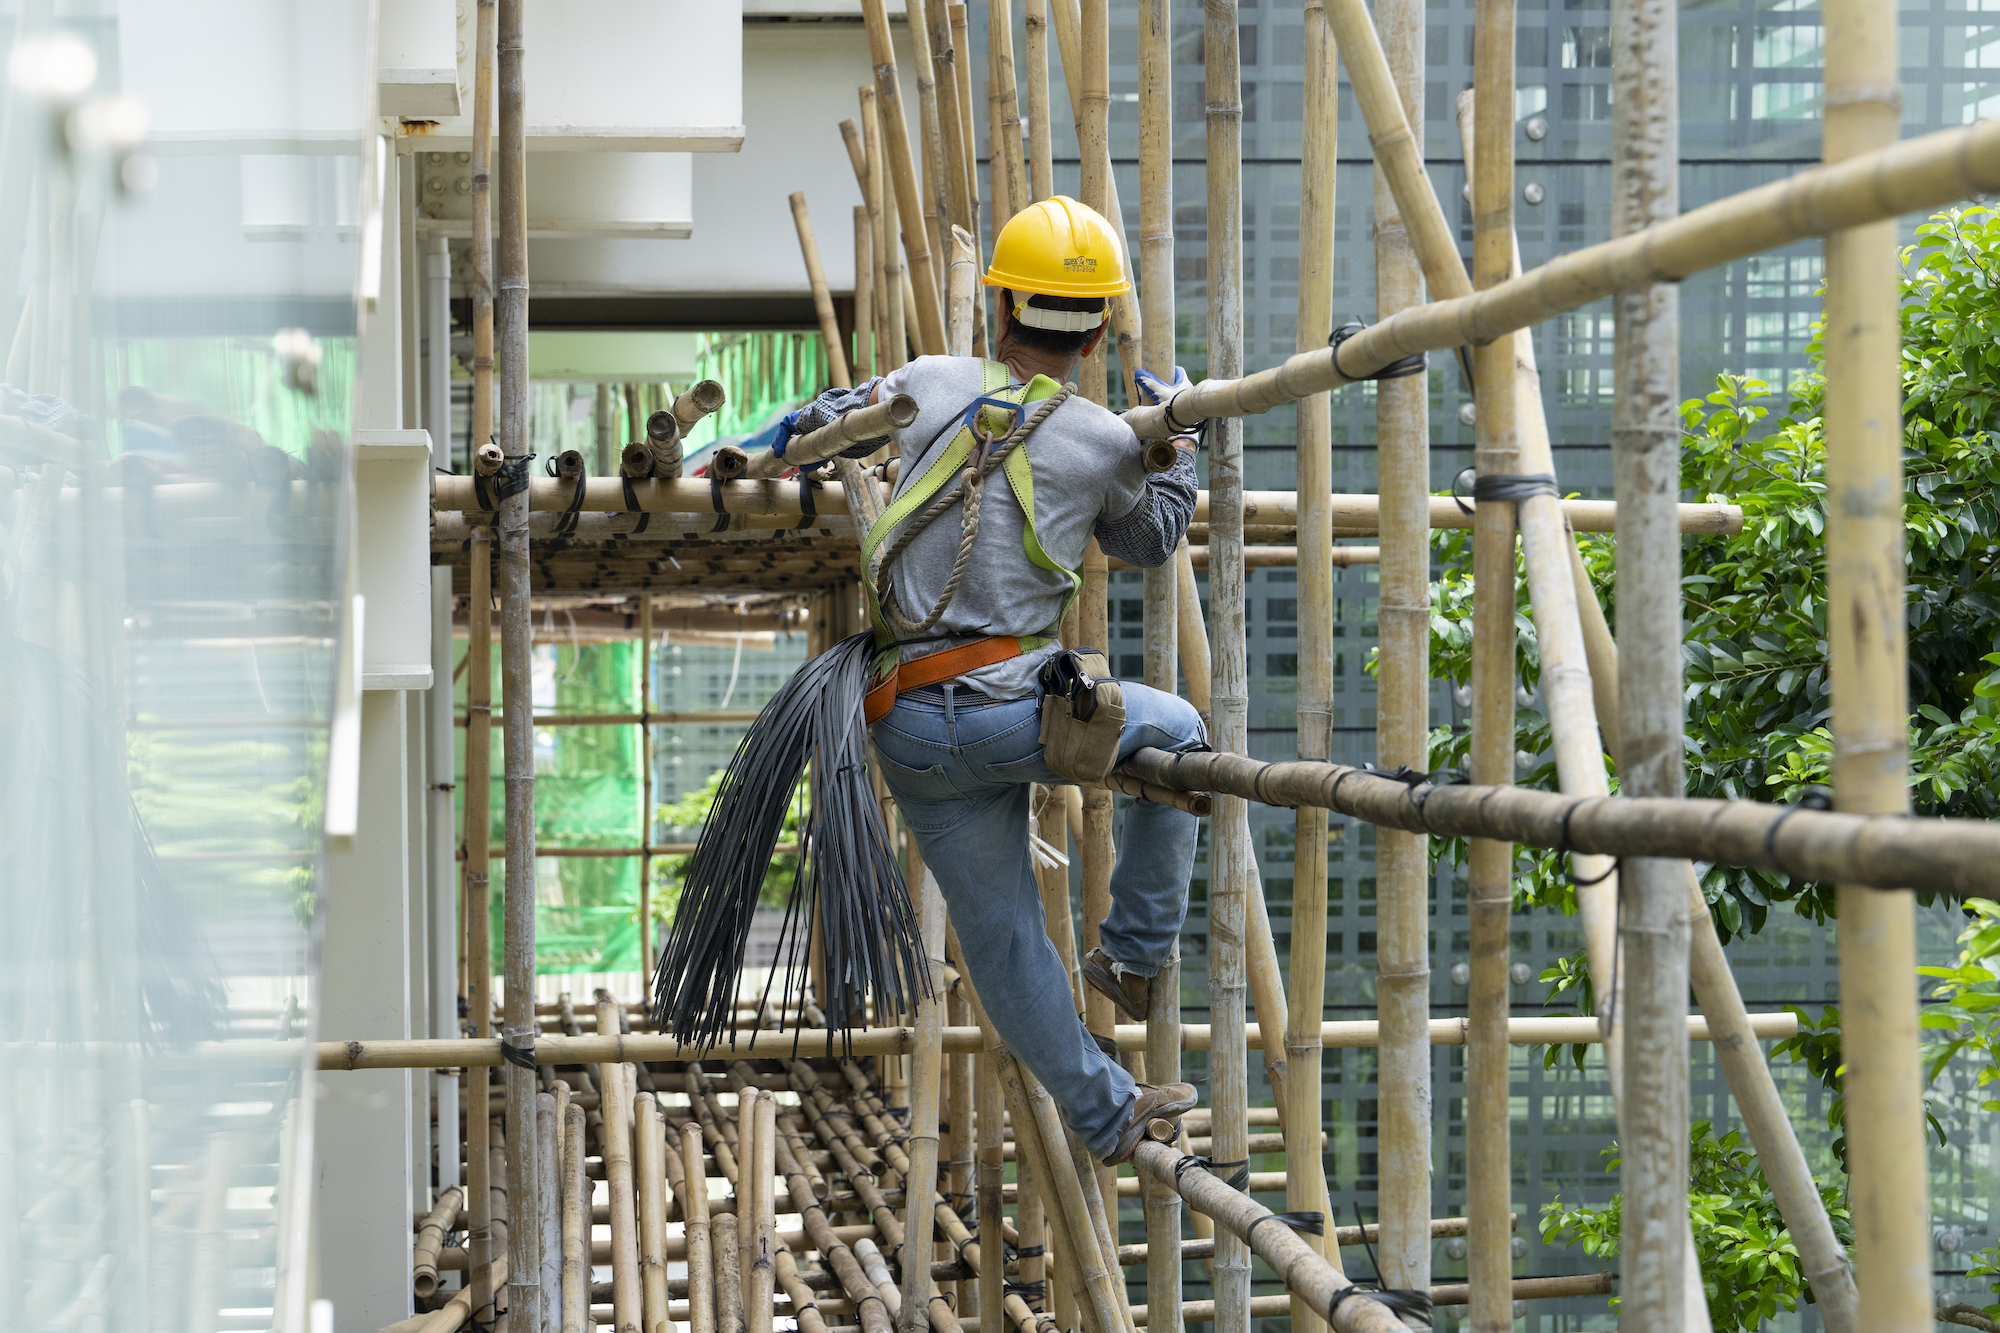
[848,876]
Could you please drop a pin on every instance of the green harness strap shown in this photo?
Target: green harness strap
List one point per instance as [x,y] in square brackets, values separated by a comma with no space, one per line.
[995,382]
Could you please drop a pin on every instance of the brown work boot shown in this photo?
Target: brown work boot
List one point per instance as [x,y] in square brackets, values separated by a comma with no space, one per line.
[1163,1101]
[1124,987]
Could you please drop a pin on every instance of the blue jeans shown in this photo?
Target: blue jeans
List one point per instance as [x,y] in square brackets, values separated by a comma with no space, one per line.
[959,766]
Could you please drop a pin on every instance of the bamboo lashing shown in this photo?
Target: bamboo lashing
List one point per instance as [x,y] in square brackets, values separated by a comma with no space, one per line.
[1885,183]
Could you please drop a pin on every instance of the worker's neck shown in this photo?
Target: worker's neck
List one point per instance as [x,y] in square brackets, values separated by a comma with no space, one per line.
[1024,363]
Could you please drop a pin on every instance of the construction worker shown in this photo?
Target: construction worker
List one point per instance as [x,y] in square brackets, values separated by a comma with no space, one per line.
[968,612]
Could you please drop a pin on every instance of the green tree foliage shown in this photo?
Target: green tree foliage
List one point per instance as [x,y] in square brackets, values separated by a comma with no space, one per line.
[1749,1266]
[684,820]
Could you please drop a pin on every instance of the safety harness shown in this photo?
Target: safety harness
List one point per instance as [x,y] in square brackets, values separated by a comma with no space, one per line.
[974,452]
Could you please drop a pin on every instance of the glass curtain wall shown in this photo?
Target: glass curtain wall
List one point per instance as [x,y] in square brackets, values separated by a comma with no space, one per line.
[186,194]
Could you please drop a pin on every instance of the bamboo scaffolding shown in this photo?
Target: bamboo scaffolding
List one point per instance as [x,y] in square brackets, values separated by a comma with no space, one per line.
[485,28]
[1909,176]
[761,1269]
[902,173]
[549,1113]
[576,1215]
[887,259]
[725,1236]
[1868,673]
[700,1248]
[650,1143]
[864,289]
[1305,1166]
[1352,515]
[1490,862]
[953,113]
[430,1238]
[862,424]
[1525,1288]
[963,292]
[930,137]
[648,814]
[926,1074]
[962,70]
[478,913]
[1230,856]
[617,1107]
[1041,152]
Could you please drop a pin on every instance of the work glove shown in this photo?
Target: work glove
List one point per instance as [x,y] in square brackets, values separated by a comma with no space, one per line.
[788,426]
[1158,390]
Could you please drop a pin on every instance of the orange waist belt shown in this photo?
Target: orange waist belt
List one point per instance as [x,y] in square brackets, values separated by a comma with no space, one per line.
[933,669]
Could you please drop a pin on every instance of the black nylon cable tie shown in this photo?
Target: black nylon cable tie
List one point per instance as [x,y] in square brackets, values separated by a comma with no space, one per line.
[1616,862]
[808,510]
[566,524]
[482,491]
[522,1057]
[1402,1302]
[1458,493]
[1512,488]
[715,498]
[632,505]
[1311,1223]
[1812,798]
[513,477]
[1395,370]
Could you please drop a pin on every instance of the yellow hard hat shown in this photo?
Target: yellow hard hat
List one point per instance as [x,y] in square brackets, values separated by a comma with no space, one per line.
[1058,247]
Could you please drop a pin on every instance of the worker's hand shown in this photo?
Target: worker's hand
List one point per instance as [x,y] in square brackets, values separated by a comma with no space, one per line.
[788,426]
[1157,390]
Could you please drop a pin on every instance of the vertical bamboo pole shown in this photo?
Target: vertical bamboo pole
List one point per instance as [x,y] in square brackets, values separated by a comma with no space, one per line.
[760,1235]
[930,135]
[1489,1170]
[615,1103]
[996,153]
[1007,127]
[1645,435]
[829,323]
[478,913]
[510,313]
[962,69]
[902,172]
[951,123]
[548,1189]
[1230,853]
[700,1252]
[962,1082]
[1052,825]
[1305,1167]
[649,1140]
[1041,151]
[484,29]
[926,1073]
[891,335]
[576,1227]
[646,812]
[964,288]
[864,294]
[992,1107]
[725,1237]
[1887,1162]
[1402,962]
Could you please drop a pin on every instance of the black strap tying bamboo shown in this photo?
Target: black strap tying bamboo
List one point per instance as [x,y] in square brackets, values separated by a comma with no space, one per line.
[1239,1180]
[566,524]
[1512,488]
[1395,370]
[632,506]
[808,509]
[1027,1291]
[1402,1302]
[1563,848]
[512,478]
[522,1057]
[1811,798]
[1311,1223]
[715,498]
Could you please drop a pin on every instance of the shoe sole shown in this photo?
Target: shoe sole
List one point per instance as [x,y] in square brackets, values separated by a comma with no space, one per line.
[1107,985]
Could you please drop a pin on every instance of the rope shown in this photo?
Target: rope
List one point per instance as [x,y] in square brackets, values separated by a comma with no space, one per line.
[968,488]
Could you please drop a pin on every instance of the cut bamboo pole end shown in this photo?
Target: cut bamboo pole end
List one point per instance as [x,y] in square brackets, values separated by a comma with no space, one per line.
[430,1238]
[864,425]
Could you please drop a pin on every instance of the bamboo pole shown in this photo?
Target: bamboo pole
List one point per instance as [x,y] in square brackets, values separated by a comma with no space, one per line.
[930,136]
[1007,100]
[1869,671]
[1074,1240]
[964,291]
[1645,434]
[888,263]
[864,294]
[1041,152]
[1402,985]
[1305,1166]
[896,139]
[1489,1165]
[996,149]
[863,423]
[725,1237]
[616,1105]
[700,1251]
[962,71]
[829,323]
[525,1294]
[575,1226]
[549,1114]
[991,1108]
[952,111]
[442,1217]
[457,1311]
[926,1073]
[650,1141]
[1304,1272]
[1230,857]
[648,816]
[478,910]
[481,283]
[1905,177]
[762,1261]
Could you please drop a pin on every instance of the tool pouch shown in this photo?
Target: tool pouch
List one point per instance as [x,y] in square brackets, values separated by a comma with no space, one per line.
[1083,715]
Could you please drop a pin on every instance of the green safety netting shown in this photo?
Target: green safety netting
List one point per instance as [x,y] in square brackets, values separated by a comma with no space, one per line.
[587,794]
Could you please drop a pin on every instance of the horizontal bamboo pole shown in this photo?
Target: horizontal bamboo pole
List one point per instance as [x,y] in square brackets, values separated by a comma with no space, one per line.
[857,427]
[617,853]
[1911,176]
[1955,857]
[1353,514]
[1279,557]
[711,718]
[1525,1289]
[667,616]
[814,1043]
[1442,1228]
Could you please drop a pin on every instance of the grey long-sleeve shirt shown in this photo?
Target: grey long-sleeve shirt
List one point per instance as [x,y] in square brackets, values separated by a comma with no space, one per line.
[1089,482]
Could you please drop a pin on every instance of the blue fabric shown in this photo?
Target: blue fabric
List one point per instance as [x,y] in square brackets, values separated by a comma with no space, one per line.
[959,766]
[788,426]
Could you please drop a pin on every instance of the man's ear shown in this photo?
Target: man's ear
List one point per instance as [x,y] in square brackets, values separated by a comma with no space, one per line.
[1096,337]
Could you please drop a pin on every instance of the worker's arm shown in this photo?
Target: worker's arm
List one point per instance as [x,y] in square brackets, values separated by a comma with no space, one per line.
[829,407]
[1148,533]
